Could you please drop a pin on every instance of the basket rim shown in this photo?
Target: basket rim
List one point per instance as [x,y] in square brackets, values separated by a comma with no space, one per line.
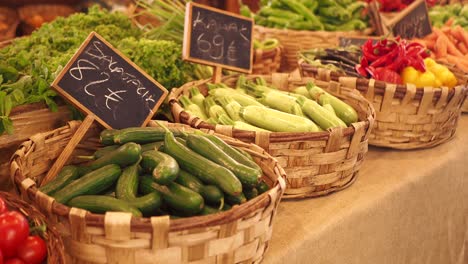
[275,137]
[143,224]
[362,83]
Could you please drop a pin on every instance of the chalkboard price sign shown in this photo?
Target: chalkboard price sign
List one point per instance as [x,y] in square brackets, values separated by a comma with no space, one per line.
[102,82]
[218,38]
[413,22]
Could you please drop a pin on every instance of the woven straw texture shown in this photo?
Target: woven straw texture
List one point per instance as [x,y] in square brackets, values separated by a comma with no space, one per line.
[407,117]
[294,41]
[27,120]
[239,235]
[55,248]
[315,163]
[267,61]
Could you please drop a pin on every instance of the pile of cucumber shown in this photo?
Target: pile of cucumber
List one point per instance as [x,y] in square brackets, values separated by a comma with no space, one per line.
[257,106]
[153,171]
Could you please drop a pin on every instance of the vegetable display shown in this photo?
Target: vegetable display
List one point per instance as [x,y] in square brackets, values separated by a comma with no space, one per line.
[256,106]
[455,14]
[19,242]
[329,15]
[341,60]
[29,64]
[397,5]
[172,172]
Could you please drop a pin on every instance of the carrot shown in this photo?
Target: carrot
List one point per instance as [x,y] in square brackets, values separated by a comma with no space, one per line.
[459,62]
[449,22]
[440,47]
[451,49]
[462,47]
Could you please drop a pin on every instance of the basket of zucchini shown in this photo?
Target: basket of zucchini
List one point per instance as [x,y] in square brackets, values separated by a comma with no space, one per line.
[304,24]
[165,192]
[316,130]
[267,56]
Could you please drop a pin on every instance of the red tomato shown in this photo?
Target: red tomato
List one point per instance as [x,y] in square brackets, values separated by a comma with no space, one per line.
[1,257]
[14,229]
[14,261]
[3,207]
[33,250]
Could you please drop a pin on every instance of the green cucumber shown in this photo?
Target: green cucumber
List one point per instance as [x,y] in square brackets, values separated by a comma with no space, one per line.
[163,167]
[250,193]
[262,187]
[175,195]
[235,199]
[92,183]
[100,204]
[127,184]
[64,177]
[209,210]
[203,146]
[235,153]
[107,136]
[126,154]
[203,168]
[147,204]
[210,193]
[104,151]
[152,146]
[141,135]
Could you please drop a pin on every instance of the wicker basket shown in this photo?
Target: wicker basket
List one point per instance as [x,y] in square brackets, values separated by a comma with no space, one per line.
[407,117]
[9,21]
[239,235]
[27,120]
[33,15]
[266,61]
[315,163]
[294,41]
[55,249]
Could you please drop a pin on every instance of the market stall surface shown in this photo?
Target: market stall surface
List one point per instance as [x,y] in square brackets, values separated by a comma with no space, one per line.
[405,207]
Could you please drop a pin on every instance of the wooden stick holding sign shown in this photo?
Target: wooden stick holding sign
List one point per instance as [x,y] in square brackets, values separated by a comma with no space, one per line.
[217,38]
[100,81]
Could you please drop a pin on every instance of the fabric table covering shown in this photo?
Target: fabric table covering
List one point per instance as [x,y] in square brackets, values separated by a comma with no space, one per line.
[405,207]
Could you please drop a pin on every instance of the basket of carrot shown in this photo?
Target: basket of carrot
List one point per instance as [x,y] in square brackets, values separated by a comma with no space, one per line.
[299,24]
[417,99]
[316,130]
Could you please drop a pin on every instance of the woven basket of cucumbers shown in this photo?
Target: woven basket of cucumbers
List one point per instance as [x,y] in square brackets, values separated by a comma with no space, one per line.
[411,113]
[267,56]
[166,193]
[316,130]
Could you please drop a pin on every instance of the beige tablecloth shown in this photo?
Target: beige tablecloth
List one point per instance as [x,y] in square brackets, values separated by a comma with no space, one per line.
[405,207]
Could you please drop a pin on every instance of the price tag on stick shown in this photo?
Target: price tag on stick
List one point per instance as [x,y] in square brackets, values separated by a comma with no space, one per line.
[100,81]
[218,38]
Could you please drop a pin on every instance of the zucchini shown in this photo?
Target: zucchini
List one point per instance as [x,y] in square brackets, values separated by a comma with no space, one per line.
[127,184]
[107,136]
[141,135]
[175,195]
[126,154]
[203,146]
[92,183]
[235,153]
[148,204]
[235,199]
[64,177]
[163,167]
[101,203]
[206,170]
[210,193]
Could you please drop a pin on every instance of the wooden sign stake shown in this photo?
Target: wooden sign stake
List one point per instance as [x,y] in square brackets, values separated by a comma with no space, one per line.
[66,153]
[217,74]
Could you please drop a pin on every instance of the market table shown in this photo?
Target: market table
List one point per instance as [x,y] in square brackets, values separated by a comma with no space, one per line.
[405,207]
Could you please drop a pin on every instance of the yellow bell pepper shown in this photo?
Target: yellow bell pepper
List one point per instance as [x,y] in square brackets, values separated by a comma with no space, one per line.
[436,75]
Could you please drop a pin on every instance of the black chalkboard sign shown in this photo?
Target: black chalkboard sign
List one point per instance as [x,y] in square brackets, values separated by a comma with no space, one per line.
[412,22]
[218,38]
[102,82]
